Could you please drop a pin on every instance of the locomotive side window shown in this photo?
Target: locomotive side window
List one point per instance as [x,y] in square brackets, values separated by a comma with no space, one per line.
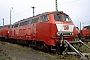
[12,26]
[25,22]
[16,25]
[0,27]
[22,23]
[34,21]
[44,18]
[8,26]
[30,21]
[86,28]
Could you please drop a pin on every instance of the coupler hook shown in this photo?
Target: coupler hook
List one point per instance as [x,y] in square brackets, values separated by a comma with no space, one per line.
[61,39]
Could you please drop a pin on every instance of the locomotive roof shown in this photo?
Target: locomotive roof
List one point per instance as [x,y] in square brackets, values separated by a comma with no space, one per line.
[2,27]
[46,13]
[87,26]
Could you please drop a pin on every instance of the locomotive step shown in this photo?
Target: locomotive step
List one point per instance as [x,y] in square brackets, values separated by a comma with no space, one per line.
[53,49]
[74,42]
[83,56]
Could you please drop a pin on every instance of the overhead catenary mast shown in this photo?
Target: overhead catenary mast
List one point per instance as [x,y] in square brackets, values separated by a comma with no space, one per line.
[10,15]
[33,10]
[56,6]
[3,22]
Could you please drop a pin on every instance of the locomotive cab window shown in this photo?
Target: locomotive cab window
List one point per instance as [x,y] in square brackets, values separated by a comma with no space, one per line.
[62,17]
[68,19]
[44,18]
[58,17]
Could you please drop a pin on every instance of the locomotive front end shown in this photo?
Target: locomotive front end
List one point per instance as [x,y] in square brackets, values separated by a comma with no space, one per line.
[64,26]
[62,29]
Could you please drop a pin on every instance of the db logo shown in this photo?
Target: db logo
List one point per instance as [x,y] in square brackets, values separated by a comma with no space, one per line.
[66,27]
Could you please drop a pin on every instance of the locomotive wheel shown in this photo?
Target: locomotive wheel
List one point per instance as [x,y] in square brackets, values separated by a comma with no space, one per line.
[46,48]
[40,46]
[60,48]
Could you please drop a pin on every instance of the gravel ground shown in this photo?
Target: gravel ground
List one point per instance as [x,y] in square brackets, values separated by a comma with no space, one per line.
[17,52]
[4,56]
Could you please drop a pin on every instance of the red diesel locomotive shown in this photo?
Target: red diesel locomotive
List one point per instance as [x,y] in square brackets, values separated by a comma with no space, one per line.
[45,31]
[76,32]
[86,32]
[4,31]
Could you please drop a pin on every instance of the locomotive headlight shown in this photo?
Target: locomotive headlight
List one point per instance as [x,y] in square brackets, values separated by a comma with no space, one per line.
[8,31]
[71,33]
[58,33]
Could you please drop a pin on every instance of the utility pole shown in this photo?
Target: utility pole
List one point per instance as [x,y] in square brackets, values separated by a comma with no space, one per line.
[33,10]
[3,22]
[10,14]
[80,30]
[56,5]
[80,25]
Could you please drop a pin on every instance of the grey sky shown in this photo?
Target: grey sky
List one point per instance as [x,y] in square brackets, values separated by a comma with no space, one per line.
[78,10]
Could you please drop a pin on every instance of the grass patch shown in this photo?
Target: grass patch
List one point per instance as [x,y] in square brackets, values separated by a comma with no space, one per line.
[83,48]
[3,56]
[14,58]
